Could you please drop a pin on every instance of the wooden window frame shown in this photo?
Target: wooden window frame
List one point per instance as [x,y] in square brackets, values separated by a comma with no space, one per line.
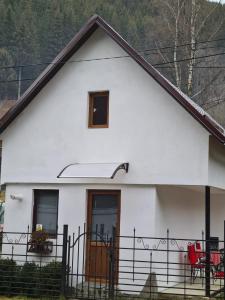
[91,96]
[34,218]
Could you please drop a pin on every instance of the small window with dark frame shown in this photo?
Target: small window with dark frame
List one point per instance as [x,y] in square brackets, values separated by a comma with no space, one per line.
[45,210]
[98,110]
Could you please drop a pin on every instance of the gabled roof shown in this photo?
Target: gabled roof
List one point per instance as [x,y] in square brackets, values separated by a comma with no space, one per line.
[86,31]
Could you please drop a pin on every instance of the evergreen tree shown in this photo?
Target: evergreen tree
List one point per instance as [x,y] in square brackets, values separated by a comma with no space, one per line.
[8,86]
[34,31]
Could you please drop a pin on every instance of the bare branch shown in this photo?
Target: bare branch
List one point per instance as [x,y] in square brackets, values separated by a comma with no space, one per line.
[217,30]
[164,58]
[172,10]
[207,85]
[206,18]
[214,102]
[193,49]
[168,25]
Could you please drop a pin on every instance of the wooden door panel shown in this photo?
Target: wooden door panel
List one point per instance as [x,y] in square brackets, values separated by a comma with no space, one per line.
[100,217]
[98,262]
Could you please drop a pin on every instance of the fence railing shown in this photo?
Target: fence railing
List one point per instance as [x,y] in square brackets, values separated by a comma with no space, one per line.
[93,265]
[143,267]
[31,266]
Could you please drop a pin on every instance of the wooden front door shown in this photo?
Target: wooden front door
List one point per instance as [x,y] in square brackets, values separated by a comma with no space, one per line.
[103,214]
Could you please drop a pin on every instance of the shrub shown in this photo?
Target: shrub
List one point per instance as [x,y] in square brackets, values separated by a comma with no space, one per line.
[28,278]
[50,279]
[8,276]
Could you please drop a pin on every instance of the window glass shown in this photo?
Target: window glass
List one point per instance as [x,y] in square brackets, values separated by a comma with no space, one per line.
[2,211]
[46,210]
[100,107]
[104,216]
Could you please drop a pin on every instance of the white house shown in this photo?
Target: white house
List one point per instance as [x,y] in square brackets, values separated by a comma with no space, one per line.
[101,130]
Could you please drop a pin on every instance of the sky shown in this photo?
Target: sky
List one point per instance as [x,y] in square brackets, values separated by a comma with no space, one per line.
[222,1]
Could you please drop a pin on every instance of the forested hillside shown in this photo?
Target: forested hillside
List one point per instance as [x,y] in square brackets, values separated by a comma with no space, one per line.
[184,39]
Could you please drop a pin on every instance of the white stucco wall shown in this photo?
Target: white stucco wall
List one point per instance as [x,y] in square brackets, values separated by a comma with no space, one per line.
[147,127]
[138,205]
[181,210]
[216,164]
[135,201]
[151,211]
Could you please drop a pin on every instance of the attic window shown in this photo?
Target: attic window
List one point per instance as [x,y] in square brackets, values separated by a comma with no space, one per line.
[98,109]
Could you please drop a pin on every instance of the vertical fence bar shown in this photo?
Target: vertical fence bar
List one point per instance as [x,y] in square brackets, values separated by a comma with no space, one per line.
[112,265]
[78,257]
[64,256]
[207,237]
[113,262]
[107,269]
[12,251]
[185,274]
[134,246]
[83,258]
[68,263]
[89,237]
[72,263]
[27,241]
[223,260]
[95,259]
[203,238]
[100,267]
[150,278]
[167,256]
[56,243]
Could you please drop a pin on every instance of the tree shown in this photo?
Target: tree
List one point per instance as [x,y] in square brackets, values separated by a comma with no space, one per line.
[8,84]
[189,23]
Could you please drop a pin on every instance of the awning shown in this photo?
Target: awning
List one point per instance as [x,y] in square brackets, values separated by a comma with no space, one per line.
[92,170]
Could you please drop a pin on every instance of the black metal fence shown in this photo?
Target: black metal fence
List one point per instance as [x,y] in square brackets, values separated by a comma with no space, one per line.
[143,267]
[92,265]
[32,266]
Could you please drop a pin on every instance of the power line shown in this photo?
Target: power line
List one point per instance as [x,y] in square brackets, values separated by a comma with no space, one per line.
[182,45]
[108,58]
[179,50]
[140,51]
[195,67]
[187,59]
[158,67]
[116,57]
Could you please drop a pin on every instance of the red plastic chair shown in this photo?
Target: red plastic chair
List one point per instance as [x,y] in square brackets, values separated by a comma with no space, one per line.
[195,262]
[200,254]
[198,246]
[218,275]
